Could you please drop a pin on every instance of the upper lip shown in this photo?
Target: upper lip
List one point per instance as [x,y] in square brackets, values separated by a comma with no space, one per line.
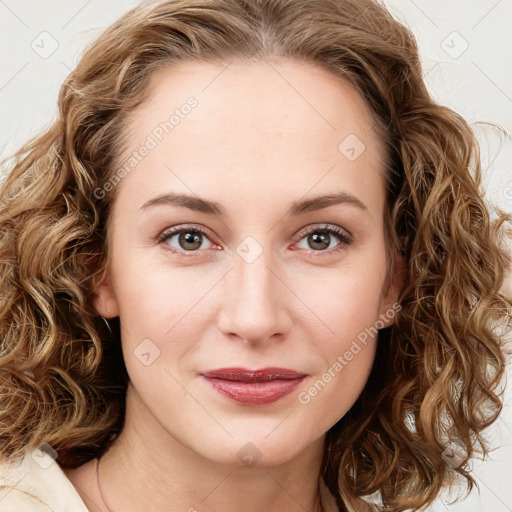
[262,375]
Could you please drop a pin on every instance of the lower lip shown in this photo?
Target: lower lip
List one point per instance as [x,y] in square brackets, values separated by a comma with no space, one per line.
[255,393]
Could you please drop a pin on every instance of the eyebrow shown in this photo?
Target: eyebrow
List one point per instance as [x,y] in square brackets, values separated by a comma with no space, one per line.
[213,208]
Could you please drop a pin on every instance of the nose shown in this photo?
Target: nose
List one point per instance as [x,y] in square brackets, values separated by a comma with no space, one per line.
[255,302]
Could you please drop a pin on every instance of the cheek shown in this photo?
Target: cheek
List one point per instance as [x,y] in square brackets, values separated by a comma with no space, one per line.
[163,316]
[344,301]
[154,294]
[331,393]
[345,345]
[345,334]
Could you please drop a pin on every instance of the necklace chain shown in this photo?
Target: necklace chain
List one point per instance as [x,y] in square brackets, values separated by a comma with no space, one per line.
[318,499]
[98,483]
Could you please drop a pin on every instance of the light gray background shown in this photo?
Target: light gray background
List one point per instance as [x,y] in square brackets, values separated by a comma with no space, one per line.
[466,51]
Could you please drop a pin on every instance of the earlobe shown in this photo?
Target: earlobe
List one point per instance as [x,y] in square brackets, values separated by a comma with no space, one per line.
[104,299]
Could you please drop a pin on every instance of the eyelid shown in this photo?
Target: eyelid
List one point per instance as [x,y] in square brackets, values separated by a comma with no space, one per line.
[345,236]
[167,233]
[339,231]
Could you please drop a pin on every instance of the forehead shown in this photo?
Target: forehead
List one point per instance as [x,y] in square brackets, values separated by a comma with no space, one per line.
[285,124]
[258,96]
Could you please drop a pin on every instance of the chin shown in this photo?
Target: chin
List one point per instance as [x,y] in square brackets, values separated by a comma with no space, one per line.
[258,450]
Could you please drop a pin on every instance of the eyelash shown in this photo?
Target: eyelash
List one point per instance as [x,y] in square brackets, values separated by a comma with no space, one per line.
[344,237]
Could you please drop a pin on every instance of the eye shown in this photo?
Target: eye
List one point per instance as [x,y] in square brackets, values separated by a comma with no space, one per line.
[191,239]
[320,238]
[186,239]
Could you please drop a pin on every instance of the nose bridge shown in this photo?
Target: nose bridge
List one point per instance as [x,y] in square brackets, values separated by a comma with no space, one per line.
[254,297]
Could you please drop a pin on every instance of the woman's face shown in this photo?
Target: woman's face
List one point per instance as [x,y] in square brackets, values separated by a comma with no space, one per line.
[248,279]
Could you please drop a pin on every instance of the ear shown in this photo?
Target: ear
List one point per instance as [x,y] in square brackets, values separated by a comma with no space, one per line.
[104,299]
[393,287]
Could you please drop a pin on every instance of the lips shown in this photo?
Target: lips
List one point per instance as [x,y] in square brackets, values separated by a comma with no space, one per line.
[254,387]
[263,375]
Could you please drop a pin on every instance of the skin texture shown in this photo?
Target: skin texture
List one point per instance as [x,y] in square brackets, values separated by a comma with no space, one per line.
[262,136]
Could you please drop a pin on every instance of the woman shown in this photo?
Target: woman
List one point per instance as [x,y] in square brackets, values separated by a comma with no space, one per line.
[250,255]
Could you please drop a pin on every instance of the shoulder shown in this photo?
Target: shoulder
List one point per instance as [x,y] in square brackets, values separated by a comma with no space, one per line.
[14,500]
[38,484]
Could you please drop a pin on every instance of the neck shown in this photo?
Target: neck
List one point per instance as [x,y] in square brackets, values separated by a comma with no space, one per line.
[145,460]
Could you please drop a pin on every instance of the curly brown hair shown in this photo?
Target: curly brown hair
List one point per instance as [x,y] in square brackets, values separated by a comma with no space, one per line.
[438,369]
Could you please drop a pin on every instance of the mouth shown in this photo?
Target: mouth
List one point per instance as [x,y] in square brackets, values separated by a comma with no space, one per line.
[254,387]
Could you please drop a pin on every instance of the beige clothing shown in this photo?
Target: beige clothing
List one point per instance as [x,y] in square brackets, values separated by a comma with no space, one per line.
[40,485]
[37,485]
